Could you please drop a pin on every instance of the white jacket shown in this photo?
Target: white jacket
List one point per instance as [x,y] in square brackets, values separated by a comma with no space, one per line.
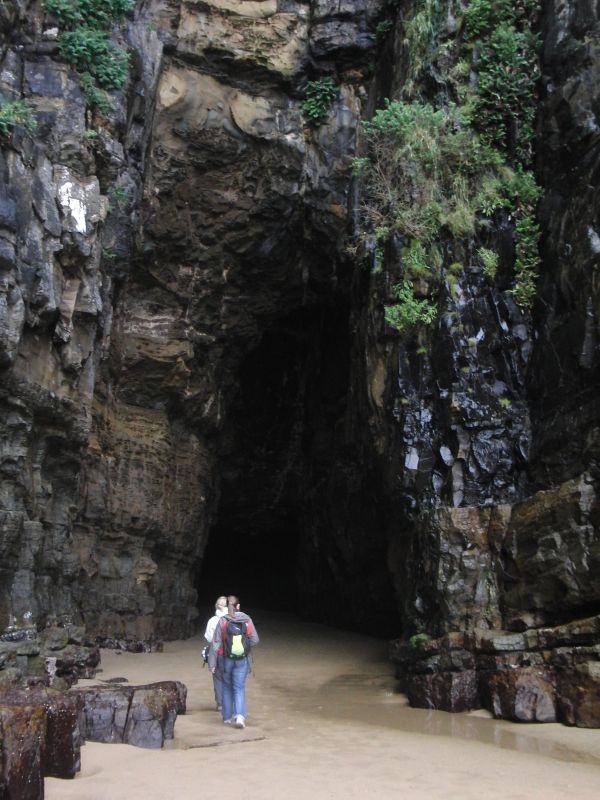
[212,624]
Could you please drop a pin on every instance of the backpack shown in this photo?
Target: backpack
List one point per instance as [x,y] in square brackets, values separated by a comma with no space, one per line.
[236,638]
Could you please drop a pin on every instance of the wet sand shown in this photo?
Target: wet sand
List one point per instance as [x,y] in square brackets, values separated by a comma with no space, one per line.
[325,723]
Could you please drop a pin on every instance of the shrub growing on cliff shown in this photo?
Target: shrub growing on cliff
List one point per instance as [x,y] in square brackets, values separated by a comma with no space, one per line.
[427,172]
[83,42]
[418,639]
[489,261]
[320,94]
[432,175]
[409,310]
[99,14]
[15,112]
[507,70]
[90,51]
[419,34]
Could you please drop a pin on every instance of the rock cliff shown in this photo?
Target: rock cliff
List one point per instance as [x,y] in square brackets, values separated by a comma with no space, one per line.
[198,385]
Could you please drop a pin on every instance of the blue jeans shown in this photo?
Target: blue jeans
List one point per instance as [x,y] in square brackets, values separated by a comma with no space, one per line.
[235,671]
[218,682]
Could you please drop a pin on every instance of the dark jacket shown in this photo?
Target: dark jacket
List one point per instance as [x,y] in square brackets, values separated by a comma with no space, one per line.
[216,646]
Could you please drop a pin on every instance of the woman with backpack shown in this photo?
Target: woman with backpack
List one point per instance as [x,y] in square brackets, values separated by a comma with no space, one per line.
[234,635]
[220,611]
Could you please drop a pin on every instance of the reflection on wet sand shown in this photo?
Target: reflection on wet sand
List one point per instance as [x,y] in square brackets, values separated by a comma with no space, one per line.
[374,701]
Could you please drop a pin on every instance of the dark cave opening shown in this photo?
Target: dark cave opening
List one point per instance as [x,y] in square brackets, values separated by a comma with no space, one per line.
[292,393]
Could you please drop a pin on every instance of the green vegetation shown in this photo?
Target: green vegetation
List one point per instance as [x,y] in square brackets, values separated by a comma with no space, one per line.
[92,54]
[419,36]
[83,42]
[320,94]
[409,310]
[505,403]
[419,638]
[383,28]
[94,97]
[489,260]
[98,14]
[504,107]
[438,175]
[527,235]
[118,198]
[15,112]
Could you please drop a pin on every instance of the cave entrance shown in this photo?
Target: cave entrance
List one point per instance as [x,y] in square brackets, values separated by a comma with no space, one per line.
[292,384]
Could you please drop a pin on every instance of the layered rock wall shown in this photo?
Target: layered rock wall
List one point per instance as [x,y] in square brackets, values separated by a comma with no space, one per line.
[145,252]
[152,255]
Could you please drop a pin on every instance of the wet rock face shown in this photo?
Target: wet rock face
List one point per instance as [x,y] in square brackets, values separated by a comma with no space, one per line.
[554,538]
[143,256]
[62,737]
[537,675]
[23,730]
[187,345]
[564,379]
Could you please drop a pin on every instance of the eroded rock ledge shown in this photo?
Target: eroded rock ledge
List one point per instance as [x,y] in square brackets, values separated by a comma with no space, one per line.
[536,675]
[42,729]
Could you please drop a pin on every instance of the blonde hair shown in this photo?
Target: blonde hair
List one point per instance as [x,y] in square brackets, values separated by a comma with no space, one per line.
[221,603]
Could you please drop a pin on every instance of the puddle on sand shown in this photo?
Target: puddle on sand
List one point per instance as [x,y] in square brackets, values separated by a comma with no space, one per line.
[372,699]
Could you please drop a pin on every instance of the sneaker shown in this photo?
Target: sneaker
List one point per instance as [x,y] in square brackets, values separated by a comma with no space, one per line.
[240,722]
[217,708]
[227,721]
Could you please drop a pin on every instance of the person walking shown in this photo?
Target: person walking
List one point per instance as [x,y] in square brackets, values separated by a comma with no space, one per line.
[217,674]
[233,637]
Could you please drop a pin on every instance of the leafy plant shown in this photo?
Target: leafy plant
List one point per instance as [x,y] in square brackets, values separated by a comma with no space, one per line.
[67,12]
[119,196]
[90,51]
[320,94]
[94,97]
[383,28]
[83,42]
[415,259]
[489,261]
[424,174]
[419,638]
[359,165]
[505,106]
[100,14]
[527,235]
[409,310]
[15,112]
[419,34]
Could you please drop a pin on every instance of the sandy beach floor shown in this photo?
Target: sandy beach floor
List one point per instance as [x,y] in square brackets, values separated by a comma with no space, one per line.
[325,723]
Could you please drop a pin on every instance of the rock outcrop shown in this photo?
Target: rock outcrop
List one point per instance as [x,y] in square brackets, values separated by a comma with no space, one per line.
[42,729]
[536,675]
[143,716]
[56,656]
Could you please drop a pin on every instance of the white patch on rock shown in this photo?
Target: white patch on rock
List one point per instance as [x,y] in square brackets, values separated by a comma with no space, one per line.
[412,459]
[446,455]
[80,201]
[594,239]
[72,205]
